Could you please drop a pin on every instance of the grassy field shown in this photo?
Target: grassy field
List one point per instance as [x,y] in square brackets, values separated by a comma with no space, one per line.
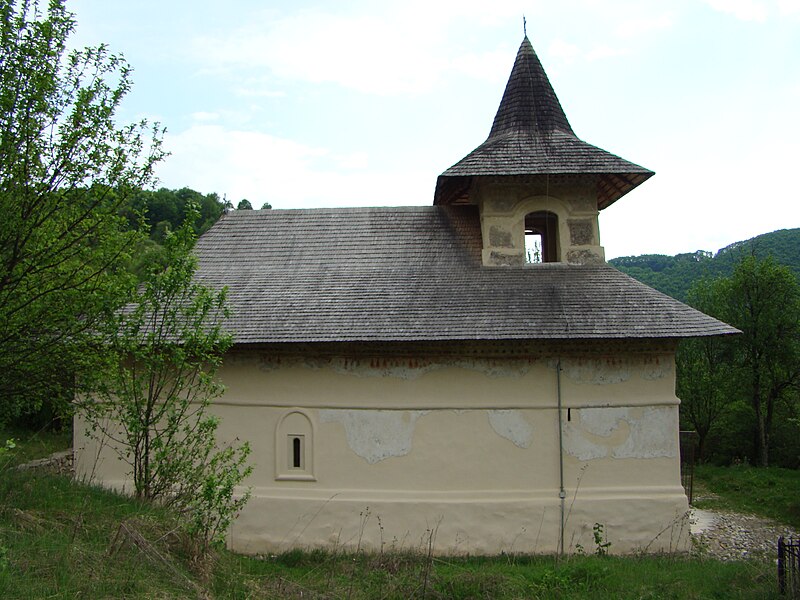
[59,539]
[771,492]
[30,445]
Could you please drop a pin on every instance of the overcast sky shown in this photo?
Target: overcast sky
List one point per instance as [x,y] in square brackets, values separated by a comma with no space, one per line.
[305,103]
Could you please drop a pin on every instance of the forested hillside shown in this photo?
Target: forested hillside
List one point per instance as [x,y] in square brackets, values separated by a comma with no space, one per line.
[674,275]
[740,394]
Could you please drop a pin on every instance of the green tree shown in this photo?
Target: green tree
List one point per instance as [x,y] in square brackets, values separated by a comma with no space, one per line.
[244,204]
[763,300]
[266,206]
[675,275]
[166,210]
[211,209]
[66,170]
[704,371]
[761,367]
[152,399]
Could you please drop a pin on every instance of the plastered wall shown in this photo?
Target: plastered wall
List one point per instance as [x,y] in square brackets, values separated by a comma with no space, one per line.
[459,451]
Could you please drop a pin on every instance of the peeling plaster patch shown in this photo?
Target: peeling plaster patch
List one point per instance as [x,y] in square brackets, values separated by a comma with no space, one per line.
[579,446]
[581,232]
[512,425]
[602,421]
[584,257]
[652,436]
[501,259]
[651,433]
[402,368]
[657,367]
[597,371]
[376,434]
[500,238]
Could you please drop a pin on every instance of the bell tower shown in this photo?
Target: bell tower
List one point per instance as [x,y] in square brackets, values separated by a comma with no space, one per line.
[538,187]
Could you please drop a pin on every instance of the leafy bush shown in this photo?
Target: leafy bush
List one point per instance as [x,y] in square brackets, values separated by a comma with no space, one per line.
[151,400]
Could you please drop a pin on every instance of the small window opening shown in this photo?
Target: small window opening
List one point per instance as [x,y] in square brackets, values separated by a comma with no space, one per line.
[533,247]
[541,237]
[296,451]
[294,448]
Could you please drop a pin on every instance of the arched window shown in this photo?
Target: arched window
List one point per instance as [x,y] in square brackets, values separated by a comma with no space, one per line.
[294,448]
[297,452]
[541,237]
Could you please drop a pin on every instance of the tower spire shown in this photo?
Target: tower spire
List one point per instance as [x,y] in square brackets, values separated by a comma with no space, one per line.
[531,136]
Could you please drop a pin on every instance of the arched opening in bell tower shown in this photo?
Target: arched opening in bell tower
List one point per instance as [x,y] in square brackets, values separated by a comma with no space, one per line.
[541,237]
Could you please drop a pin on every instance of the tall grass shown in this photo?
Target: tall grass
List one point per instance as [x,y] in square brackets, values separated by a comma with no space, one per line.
[768,492]
[30,445]
[61,539]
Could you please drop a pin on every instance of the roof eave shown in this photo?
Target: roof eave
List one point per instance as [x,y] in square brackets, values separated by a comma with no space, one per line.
[455,189]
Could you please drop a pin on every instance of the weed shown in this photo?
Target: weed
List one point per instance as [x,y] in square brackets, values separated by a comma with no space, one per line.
[601,543]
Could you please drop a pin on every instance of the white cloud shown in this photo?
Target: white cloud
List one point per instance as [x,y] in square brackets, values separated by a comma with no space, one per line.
[563,50]
[486,13]
[704,199]
[287,174]
[352,161]
[490,66]
[569,53]
[241,164]
[788,7]
[366,53]
[246,92]
[744,10]
[601,52]
[400,48]
[755,10]
[205,116]
[644,25]
[386,49]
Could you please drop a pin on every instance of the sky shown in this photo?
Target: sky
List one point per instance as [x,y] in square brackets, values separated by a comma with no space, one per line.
[304,103]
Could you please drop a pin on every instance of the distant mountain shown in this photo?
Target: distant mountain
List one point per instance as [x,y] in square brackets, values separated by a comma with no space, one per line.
[674,275]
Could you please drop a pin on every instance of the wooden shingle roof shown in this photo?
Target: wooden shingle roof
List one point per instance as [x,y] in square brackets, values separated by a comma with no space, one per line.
[414,274]
[531,136]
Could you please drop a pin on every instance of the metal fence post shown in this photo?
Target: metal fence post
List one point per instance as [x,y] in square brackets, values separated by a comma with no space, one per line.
[789,567]
[781,566]
[688,444]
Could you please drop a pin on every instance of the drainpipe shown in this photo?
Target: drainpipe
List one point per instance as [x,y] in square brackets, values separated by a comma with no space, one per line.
[562,494]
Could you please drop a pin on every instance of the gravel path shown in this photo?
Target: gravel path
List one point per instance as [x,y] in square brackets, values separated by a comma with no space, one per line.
[734,536]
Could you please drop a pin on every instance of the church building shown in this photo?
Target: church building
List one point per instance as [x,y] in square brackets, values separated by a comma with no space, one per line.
[470,374]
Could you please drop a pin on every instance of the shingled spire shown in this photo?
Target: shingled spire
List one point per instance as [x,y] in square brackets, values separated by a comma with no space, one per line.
[531,136]
[529,105]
